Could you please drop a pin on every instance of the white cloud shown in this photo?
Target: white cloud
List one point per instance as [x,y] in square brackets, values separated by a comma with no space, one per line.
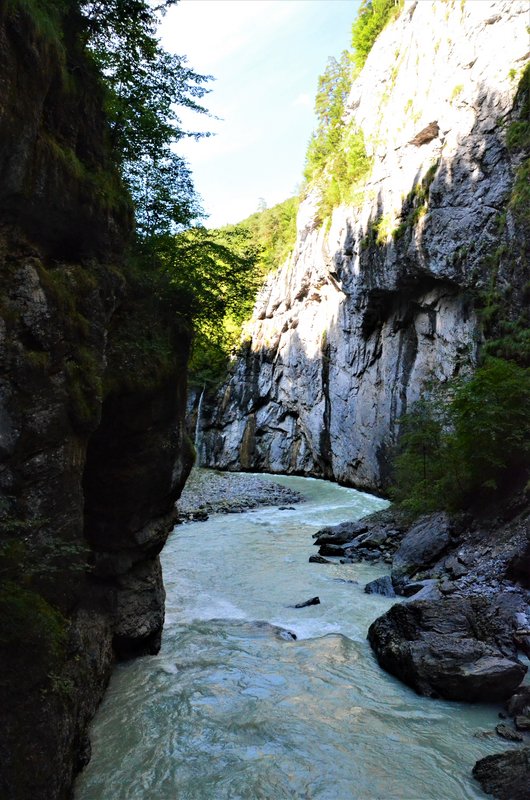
[304,100]
[210,31]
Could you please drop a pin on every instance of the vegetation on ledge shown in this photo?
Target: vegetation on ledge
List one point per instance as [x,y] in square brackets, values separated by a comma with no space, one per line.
[336,160]
[467,442]
[230,266]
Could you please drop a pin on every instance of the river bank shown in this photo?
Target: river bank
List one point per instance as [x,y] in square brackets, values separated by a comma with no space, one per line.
[209,491]
[464,632]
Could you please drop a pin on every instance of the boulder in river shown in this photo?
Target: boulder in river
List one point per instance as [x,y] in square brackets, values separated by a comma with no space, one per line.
[507,732]
[424,543]
[340,534]
[519,702]
[506,776]
[457,648]
[313,601]
[382,586]
[334,550]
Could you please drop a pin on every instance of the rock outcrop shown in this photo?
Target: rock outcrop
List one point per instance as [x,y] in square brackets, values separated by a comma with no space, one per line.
[456,648]
[381,299]
[505,775]
[92,447]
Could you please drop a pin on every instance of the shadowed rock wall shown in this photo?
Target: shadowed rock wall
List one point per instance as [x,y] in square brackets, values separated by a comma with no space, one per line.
[93,453]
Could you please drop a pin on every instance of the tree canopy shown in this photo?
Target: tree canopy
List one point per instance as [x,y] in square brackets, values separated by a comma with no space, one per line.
[372,17]
[145,85]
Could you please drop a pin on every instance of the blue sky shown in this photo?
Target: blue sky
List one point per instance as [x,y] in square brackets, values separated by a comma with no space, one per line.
[266,56]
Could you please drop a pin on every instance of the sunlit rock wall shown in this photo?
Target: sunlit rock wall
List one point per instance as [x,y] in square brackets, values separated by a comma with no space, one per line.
[380,301]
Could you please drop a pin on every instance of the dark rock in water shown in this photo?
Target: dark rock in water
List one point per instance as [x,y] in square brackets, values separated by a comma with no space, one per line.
[289,636]
[340,534]
[375,538]
[506,776]
[313,601]
[506,732]
[381,586]
[519,702]
[484,734]
[199,516]
[259,628]
[522,723]
[286,508]
[412,588]
[457,648]
[331,550]
[424,543]
[318,560]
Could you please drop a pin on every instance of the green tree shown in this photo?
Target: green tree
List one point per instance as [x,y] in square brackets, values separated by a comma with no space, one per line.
[333,88]
[467,444]
[491,418]
[144,85]
[372,17]
[257,245]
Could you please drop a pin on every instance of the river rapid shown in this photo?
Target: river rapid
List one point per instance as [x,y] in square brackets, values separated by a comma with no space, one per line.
[232,709]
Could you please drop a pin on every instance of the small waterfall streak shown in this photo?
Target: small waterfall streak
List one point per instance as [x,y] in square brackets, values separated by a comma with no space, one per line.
[198,429]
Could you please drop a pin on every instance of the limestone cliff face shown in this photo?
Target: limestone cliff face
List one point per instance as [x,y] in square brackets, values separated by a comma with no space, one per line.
[369,308]
[92,447]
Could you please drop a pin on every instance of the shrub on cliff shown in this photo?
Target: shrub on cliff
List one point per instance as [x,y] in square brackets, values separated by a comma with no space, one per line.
[336,158]
[469,444]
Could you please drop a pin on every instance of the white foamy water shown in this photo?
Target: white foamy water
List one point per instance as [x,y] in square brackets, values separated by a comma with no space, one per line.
[230,709]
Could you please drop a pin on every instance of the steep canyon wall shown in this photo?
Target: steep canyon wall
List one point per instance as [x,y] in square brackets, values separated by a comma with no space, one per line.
[381,299]
[92,446]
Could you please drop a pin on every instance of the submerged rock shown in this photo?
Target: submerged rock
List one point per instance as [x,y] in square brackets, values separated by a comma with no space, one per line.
[506,732]
[457,648]
[313,601]
[506,776]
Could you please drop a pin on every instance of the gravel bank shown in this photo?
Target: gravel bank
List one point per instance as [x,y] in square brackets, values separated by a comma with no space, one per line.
[208,491]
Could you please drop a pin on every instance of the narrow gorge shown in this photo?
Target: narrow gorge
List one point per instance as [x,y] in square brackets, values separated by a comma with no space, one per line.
[348,578]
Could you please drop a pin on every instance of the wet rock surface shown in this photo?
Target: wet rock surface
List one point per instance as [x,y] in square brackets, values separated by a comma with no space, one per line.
[381,586]
[377,536]
[422,545]
[456,648]
[506,776]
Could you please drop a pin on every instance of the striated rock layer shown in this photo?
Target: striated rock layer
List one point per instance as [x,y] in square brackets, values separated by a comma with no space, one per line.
[92,447]
[382,300]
